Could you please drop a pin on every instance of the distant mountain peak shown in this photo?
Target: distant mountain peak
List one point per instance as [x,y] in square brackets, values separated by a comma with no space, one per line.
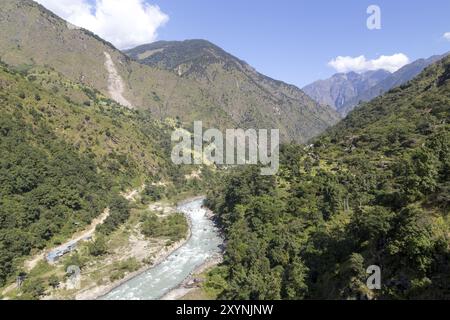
[343,87]
[344,91]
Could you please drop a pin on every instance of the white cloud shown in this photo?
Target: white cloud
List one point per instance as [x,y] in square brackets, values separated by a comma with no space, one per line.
[361,64]
[447,36]
[125,24]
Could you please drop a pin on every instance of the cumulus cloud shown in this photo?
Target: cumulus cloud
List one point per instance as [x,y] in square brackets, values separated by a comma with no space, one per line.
[125,24]
[447,36]
[361,64]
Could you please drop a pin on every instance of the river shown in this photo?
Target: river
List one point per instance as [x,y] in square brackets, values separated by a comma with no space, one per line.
[203,244]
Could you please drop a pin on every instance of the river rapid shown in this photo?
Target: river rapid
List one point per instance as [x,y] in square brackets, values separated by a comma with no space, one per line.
[156,282]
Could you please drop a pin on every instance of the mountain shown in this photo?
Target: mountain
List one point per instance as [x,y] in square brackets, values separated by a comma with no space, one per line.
[398,78]
[67,152]
[32,35]
[81,122]
[245,94]
[345,91]
[342,88]
[373,191]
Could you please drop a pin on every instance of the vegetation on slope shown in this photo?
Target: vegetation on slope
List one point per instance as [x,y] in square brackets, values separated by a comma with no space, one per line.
[67,152]
[250,98]
[47,187]
[374,190]
[30,34]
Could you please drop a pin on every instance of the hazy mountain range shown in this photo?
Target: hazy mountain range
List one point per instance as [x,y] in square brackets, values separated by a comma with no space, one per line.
[344,91]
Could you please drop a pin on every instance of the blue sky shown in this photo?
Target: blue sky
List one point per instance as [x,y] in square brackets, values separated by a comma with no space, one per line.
[293,40]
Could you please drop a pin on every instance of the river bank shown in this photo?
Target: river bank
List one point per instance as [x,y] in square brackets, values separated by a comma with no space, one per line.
[201,249]
[99,292]
[190,283]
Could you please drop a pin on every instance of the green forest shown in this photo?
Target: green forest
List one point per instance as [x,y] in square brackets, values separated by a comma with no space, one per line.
[67,153]
[47,185]
[373,190]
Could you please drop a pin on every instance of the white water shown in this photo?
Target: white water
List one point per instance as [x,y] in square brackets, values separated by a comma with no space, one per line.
[158,281]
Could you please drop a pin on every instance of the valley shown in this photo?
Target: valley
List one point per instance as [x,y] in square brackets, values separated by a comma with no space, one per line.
[114,186]
[373,190]
[164,279]
[49,121]
[126,260]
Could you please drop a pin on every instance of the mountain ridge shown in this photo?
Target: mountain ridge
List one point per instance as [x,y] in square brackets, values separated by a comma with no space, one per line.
[32,35]
[341,88]
[371,191]
[345,96]
[206,63]
[398,78]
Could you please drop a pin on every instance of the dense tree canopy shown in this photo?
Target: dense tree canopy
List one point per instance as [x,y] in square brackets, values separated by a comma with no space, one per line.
[46,190]
[64,161]
[371,191]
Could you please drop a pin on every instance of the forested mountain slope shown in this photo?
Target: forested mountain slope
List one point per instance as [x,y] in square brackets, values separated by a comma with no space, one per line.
[374,190]
[251,98]
[67,152]
[32,35]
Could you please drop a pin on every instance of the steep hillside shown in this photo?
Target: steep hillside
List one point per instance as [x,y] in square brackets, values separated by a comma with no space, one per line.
[373,190]
[67,152]
[398,78]
[251,98]
[31,35]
